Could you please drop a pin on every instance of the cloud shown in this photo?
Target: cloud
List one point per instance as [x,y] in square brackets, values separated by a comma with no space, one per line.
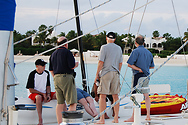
[159,15]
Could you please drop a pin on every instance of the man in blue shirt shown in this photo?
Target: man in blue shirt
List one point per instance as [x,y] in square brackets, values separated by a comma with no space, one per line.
[141,60]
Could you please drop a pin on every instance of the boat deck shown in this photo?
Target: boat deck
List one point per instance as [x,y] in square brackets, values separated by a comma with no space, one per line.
[172,119]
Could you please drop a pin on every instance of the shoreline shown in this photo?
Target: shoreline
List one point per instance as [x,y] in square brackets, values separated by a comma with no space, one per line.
[94,60]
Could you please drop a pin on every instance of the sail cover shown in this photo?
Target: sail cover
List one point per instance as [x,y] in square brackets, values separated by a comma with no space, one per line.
[7,14]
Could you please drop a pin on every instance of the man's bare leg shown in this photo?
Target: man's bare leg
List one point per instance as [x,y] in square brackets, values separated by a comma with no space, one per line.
[72,107]
[116,108]
[92,105]
[102,107]
[59,109]
[148,104]
[39,108]
[86,106]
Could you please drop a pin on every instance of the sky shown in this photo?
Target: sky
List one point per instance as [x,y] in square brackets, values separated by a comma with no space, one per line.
[159,15]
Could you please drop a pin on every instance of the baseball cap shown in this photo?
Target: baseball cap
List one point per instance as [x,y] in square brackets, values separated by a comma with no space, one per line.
[40,62]
[111,35]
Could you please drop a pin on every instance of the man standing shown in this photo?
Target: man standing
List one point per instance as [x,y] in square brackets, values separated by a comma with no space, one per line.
[141,60]
[39,86]
[110,62]
[62,64]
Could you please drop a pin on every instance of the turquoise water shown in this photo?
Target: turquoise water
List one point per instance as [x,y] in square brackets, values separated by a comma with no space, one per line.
[176,76]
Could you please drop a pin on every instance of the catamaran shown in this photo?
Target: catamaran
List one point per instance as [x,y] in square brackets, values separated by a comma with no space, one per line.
[26,113]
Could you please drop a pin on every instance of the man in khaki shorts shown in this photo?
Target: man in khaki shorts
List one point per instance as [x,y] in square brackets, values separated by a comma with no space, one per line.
[110,62]
[62,64]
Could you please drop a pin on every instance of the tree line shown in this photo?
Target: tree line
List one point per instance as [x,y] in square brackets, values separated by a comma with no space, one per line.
[90,42]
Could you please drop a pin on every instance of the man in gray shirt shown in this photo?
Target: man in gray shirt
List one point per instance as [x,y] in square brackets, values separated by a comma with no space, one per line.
[110,63]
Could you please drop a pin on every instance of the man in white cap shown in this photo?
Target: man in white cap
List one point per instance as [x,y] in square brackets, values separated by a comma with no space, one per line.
[110,63]
[62,64]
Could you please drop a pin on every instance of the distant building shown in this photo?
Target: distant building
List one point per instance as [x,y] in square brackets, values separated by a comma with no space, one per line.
[155,43]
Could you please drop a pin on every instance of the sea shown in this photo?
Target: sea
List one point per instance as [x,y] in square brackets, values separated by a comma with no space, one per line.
[176,76]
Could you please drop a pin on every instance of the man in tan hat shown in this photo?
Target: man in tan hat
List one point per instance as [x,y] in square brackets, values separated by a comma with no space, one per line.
[61,66]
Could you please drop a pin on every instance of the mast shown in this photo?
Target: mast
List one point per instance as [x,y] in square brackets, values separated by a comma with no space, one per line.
[80,46]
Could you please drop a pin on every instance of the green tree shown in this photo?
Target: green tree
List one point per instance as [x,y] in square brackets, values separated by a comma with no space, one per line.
[61,34]
[42,38]
[71,35]
[172,44]
[185,38]
[100,39]
[88,42]
[17,36]
[156,34]
[167,36]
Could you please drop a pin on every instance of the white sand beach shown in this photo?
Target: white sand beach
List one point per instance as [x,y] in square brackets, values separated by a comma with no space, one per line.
[175,61]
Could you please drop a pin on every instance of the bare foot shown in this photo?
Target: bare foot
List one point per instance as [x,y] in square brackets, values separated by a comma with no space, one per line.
[100,122]
[40,122]
[114,115]
[115,121]
[129,120]
[148,119]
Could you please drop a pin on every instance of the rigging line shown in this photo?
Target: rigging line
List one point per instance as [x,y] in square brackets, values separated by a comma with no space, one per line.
[137,34]
[60,23]
[87,83]
[85,33]
[132,17]
[142,18]
[94,17]
[179,30]
[138,85]
[57,15]
[128,35]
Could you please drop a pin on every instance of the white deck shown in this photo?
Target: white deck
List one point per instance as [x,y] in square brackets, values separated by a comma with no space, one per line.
[49,117]
[176,119]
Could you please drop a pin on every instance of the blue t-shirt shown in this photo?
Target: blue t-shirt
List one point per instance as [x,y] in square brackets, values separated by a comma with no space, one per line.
[142,58]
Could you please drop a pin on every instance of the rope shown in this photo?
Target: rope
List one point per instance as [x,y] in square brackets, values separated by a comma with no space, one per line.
[137,34]
[85,33]
[60,23]
[178,29]
[142,18]
[94,17]
[127,40]
[132,17]
[138,85]
[57,15]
